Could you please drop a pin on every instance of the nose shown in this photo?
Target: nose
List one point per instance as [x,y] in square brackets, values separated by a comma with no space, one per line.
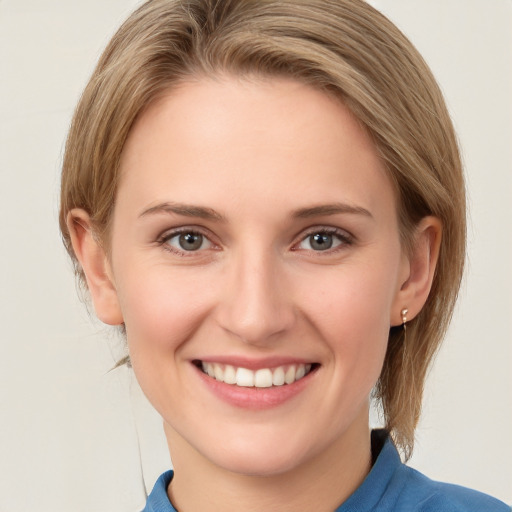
[256,304]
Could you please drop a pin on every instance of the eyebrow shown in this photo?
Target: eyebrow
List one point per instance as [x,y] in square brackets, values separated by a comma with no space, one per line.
[186,210]
[330,209]
[202,212]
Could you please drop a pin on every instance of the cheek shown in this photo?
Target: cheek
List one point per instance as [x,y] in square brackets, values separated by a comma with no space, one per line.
[351,301]
[161,310]
[352,315]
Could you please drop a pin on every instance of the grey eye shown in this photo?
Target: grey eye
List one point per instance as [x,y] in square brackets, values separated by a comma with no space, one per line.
[321,241]
[189,242]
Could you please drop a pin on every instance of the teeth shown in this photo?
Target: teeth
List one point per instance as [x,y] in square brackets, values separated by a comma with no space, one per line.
[244,378]
[229,374]
[210,370]
[263,378]
[217,372]
[278,376]
[289,376]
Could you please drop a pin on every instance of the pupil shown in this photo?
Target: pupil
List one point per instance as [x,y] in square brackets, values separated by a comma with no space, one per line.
[321,241]
[190,241]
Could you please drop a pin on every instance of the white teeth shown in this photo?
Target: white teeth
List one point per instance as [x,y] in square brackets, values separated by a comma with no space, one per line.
[244,378]
[278,376]
[217,372]
[208,368]
[229,374]
[262,378]
[289,376]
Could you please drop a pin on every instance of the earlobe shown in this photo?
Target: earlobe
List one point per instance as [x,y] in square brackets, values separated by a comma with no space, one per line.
[96,267]
[420,269]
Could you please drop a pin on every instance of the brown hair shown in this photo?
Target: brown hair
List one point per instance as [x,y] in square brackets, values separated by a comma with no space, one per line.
[343,47]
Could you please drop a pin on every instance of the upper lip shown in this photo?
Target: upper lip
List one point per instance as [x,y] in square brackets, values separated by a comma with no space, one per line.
[253,363]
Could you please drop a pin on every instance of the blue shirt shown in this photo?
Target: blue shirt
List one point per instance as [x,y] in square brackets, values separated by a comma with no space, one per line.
[391,486]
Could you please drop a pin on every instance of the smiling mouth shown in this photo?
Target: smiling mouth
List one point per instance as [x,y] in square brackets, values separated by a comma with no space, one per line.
[262,378]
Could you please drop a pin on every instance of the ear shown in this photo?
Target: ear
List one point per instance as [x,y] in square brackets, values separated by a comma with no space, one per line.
[96,267]
[418,270]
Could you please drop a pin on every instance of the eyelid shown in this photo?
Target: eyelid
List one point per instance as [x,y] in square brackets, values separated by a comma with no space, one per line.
[172,232]
[345,237]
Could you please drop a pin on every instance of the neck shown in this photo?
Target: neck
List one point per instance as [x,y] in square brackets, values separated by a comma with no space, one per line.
[321,484]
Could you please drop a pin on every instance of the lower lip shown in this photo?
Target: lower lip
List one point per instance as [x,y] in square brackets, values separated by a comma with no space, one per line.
[254,398]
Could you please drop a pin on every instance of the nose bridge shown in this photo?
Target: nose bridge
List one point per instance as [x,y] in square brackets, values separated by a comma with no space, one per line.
[256,304]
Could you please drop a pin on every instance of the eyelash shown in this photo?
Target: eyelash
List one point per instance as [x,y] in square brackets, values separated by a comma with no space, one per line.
[163,240]
[345,239]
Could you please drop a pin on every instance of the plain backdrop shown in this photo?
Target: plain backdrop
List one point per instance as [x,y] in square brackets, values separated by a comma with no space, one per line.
[69,428]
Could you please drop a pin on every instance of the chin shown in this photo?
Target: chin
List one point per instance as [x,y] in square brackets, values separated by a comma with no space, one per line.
[264,466]
[259,459]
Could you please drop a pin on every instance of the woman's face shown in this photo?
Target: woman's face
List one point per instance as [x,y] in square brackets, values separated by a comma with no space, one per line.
[255,238]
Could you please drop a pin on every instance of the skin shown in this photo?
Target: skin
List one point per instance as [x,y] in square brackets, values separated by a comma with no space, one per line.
[254,153]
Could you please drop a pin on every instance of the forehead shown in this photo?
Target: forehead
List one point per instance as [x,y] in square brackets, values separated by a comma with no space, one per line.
[275,140]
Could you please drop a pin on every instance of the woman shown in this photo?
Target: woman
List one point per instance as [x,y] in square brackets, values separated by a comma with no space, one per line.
[267,197]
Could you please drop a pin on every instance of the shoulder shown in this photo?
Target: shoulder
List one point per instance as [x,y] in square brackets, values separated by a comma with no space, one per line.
[393,486]
[422,494]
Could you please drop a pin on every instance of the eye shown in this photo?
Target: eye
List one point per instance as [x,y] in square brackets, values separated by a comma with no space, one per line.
[187,241]
[323,240]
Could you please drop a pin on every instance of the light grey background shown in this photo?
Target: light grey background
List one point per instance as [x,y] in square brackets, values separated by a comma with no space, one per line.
[68,427]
